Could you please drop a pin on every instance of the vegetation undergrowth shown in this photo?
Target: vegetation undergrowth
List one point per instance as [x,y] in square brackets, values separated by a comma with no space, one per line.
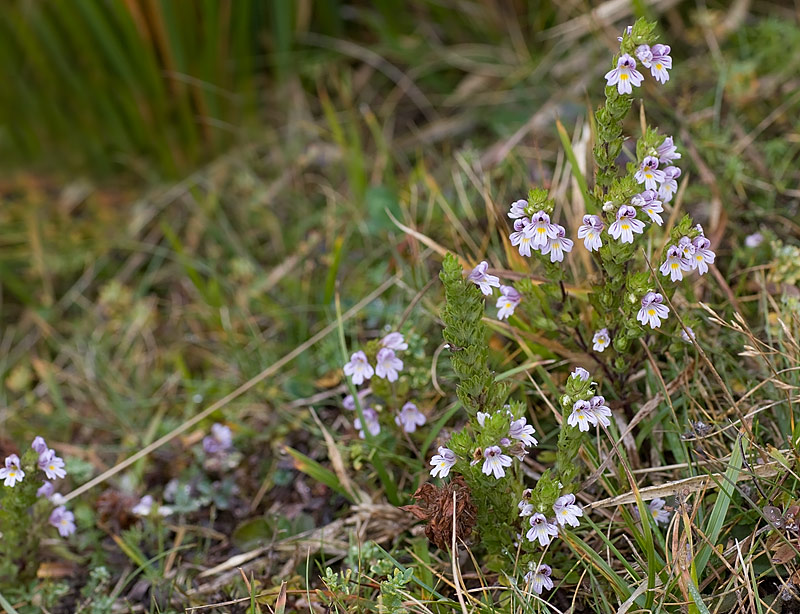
[181,348]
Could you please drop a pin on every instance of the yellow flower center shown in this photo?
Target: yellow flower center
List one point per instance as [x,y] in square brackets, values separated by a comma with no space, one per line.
[675,265]
[508,305]
[651,312]
[625,227]
[624,76]
[659,66]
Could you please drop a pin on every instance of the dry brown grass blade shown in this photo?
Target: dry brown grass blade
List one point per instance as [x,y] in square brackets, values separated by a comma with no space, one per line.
[692,484]
[426,240]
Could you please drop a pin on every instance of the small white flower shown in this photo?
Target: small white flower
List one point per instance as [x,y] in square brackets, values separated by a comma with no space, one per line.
[443,462]
[495,461]
[670,185]
[626,225]
[525,508]
[624,75]
[541,529]
[558,245]
[507,302]
[652,311]
[657,511]
[703,256]
[590,232]
[581,415]
[410,418]
[482,279]
[481,417]
[358,368]
[394,341]
[52,465]
[648,173]
[687,337]
[523,432]
[521,238]
[540,579]
[11,473]
[566,511]
[581,373]
[145,507]
[388,365]
[540,229]
[600,410]
[674,264]
[518,209]
[373,424]
[754,240]
[601,340]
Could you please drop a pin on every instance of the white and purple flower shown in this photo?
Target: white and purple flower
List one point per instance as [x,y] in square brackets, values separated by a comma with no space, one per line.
[581,373]
[52,465]
[495,461]
[648,173]
[144,507]
[371,419]
[443,462]
[675,263]
[670,185]
[660,62]
[600,410]
[518,209]
[410,418]
[648,202]
[388,366]
[520,237]
[482,279]
[522,431]
[540,580]
[63,520]
[507,302]
[540,230]
[394,341]
[590,232]
[667,151]
[541,530]
[601,340]
[624,75]
[566,511]
[11,473]
[626,225]
[703,256]
[358,368]
[652,311]
[558,245]
[582,415]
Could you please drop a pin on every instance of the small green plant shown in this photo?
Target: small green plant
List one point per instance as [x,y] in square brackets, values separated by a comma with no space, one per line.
[621,316]
[27,500]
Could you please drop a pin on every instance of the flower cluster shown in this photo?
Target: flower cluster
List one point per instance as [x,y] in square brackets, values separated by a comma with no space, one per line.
[688,254]
[533,230]
[626,77]
[52,466]
[387,366]
[219,442]
[544,529]
[515,440]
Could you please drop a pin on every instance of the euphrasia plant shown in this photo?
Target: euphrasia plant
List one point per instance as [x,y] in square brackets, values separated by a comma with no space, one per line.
[625,309]
[28,501]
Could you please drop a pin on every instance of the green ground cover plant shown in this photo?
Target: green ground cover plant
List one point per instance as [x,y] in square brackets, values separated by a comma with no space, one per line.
[444,326]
